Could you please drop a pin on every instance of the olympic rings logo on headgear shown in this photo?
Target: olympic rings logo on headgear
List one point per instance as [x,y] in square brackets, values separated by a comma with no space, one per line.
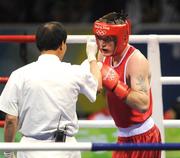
[101,32]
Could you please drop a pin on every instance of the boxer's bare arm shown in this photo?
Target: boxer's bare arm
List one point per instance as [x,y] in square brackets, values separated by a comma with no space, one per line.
[138,79]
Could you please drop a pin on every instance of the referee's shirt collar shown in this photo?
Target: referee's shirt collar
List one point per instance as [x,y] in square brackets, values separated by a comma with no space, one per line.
[48,57]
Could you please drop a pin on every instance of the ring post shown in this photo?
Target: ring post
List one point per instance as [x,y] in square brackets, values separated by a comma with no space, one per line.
[156,85]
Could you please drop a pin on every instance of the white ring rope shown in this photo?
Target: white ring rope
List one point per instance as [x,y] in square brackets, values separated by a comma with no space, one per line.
[133,38]
[170,80]
[45,146]
[111,124]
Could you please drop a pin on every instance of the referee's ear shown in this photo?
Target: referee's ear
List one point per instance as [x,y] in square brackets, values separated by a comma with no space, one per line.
[62,48]
[62,45]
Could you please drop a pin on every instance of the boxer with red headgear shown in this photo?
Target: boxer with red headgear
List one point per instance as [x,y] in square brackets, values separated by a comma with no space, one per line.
[118,29]
[126,77]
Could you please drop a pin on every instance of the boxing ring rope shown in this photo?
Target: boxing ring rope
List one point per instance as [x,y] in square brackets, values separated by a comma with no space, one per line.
[3,79]
[87,146]
[153,47]
[17,38]
[111,124]
[83,38]
[164,80]
[170,80]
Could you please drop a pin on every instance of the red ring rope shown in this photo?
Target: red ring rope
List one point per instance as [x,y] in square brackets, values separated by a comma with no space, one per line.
[17,38]
[1,123]
[3,79]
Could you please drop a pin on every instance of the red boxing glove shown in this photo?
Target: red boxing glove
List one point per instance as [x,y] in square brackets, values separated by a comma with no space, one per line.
[121,90]
[110,80]
[110,77]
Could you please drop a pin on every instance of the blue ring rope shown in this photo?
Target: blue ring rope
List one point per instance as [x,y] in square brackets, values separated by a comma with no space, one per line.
[133,146]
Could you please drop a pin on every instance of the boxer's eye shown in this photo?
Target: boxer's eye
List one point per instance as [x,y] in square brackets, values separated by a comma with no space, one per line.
[107,38]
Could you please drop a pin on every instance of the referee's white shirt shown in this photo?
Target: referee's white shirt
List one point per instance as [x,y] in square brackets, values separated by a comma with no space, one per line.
[40,92]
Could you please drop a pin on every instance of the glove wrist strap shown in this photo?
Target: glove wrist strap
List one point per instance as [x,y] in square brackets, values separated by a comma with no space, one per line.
[91,57]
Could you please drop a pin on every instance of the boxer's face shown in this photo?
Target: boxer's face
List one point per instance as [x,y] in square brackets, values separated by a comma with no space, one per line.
[106,44]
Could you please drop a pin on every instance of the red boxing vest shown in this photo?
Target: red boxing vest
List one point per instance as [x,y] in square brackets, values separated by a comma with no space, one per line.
[123,115]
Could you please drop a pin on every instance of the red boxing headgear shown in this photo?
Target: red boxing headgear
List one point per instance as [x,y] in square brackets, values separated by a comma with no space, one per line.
[120,31]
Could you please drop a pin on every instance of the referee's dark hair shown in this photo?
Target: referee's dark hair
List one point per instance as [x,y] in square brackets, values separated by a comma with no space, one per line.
[50,36]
